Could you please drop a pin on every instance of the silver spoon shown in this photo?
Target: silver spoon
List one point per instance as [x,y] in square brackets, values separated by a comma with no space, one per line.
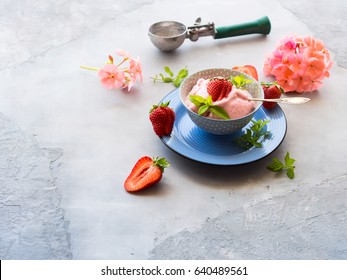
[286,100]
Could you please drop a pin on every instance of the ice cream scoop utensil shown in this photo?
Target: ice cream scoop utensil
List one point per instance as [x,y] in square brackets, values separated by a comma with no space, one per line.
[169,35]
[286,100]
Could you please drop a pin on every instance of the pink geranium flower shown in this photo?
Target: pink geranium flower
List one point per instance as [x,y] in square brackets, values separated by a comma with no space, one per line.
[120,75]
[111,76]
[135,68]
[299,63]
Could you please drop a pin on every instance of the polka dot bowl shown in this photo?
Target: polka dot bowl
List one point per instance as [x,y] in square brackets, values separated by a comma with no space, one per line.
[219,126]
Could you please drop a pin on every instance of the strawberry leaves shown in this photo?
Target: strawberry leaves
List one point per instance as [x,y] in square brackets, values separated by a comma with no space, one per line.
[162,163]
[206,104]
[288,165]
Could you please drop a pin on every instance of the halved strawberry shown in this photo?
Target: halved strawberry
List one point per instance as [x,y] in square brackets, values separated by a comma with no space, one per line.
[248,69]
[162,118]
[146,172]
[271,91]
[219,88]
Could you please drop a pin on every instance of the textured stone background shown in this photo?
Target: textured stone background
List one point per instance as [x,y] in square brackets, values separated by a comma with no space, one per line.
[32,221]
[295,229]
[32,224]
[327,20]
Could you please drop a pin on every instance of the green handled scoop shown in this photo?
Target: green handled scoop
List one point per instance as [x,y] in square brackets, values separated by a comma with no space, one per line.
[169,35]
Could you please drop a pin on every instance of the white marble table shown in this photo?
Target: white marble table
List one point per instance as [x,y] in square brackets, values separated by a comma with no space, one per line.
[67,144]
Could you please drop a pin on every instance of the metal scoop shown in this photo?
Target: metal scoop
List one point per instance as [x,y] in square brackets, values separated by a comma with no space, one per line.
[169,35]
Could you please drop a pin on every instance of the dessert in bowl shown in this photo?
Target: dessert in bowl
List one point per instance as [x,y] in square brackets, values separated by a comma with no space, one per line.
[227,111]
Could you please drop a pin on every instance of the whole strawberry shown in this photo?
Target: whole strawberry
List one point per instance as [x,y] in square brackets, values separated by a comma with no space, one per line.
[271,91]
[219,88]
[162,118]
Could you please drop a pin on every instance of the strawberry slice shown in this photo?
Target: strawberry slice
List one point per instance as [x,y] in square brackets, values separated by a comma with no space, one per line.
[146,172]
[219,88]
[247,69]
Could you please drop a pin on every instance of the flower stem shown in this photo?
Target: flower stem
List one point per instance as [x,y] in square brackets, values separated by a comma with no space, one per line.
[119,64]
[89,68]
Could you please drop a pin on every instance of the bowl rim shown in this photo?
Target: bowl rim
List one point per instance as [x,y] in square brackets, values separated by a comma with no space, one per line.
[151,32]
[221,120]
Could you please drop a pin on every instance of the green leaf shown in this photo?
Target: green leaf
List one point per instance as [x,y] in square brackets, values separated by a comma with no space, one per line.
[197,100]
[254,135]
[167,80]
[276,165]
[290,172]
[177,81]
[288,161]
[240,81]
[167,70]
[203,109]
[257,144]
[219,112]
[182,74]
[209,100]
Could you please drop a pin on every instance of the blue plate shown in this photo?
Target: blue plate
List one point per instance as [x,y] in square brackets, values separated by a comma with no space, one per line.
[194,143]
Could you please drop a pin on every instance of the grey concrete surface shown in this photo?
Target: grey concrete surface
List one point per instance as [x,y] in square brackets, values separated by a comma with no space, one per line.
[67,144]
[32,224]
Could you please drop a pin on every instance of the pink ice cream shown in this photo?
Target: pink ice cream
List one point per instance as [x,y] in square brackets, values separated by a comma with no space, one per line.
[236,104]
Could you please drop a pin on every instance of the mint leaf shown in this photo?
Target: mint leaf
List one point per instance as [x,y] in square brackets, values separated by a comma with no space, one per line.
[182,74]
[290,172]
[219,112]
[205,104]
[277,166]
[203,109]
[240,81]
[209,100]
[254,135]
[167,70]
[177,82]
[288,161]
[165,79]
[197,100]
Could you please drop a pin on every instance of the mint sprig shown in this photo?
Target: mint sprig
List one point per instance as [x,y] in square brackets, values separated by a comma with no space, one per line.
[171,78]
[254,135]
[206,104]
[278,166]
[240,81]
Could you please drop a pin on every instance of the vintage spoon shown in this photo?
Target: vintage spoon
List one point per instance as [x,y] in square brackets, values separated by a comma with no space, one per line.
[286,100]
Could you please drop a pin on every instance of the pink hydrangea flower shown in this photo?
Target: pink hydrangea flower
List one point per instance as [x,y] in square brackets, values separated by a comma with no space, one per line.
[299,63]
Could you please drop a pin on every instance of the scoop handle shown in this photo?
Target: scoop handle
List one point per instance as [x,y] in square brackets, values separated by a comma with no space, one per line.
[261,26]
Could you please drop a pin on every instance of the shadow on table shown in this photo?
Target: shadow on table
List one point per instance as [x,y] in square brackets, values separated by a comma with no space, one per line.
[216,176]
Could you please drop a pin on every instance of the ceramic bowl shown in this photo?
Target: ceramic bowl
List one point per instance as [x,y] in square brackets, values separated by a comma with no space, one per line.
[219,126]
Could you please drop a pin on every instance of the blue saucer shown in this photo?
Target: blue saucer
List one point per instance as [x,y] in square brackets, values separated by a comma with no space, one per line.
[194,143]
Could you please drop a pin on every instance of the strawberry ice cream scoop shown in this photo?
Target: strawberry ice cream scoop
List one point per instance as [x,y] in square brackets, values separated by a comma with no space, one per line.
[236,103]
